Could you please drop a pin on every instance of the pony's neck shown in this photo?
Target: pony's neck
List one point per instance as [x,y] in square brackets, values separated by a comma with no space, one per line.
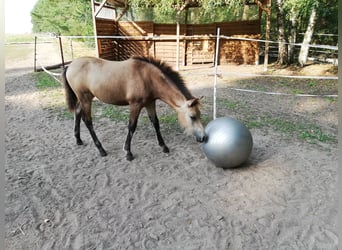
[166,90]
[171,95]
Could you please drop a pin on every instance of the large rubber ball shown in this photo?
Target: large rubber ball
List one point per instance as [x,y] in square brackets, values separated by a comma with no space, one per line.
[228,143]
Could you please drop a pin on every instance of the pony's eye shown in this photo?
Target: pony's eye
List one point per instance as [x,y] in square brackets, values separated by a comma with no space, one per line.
[193,118]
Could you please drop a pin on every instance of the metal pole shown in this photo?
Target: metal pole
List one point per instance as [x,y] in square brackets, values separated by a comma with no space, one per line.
[215,75]
[35,54]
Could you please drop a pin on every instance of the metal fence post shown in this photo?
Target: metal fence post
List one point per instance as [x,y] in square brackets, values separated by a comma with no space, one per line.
[35,54]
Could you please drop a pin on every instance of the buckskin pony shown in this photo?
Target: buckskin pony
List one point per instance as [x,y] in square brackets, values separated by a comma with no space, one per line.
[137,82]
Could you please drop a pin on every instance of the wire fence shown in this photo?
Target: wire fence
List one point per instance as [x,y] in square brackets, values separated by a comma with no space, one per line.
[64,49]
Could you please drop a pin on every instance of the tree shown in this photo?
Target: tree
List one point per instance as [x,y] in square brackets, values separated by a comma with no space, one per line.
[304,50]
[293,35]
[208,11]
[62,17]
[292,16]
[301,16]
[282,49]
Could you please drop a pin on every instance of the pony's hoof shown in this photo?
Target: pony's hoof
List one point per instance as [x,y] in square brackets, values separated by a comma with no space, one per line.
[166,149]
[129,157]
[103,153]
[79,142]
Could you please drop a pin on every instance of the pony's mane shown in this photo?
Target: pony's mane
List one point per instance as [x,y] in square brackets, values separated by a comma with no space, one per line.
[174,76]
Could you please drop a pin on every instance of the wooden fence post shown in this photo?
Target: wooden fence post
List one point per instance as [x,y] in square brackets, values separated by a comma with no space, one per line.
[61,49]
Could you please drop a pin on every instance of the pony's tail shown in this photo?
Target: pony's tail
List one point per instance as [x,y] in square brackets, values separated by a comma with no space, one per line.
[70,95]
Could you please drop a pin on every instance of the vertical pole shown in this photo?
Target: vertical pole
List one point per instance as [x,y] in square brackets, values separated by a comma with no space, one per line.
[215,75]
[185,43]
[177,43]
[61,49]
[95,28]
[71,50]
[35,54]
[268,28]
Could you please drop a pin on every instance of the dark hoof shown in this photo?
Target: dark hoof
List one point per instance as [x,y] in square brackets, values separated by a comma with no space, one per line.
[103,152]
[166,149]
[129,156]
[79,142]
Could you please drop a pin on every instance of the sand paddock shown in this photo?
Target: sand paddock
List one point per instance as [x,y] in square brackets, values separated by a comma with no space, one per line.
[63,196]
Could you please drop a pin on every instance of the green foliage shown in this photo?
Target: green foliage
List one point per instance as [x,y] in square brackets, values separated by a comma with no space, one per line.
[75,17]
[63,17]
[165,11]
[327,19]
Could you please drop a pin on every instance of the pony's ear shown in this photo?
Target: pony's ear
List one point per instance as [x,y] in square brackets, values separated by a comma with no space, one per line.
[193,102]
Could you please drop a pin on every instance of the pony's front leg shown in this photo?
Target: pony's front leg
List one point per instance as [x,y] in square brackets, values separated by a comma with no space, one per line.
[152,114]
[98,144]
[132,125]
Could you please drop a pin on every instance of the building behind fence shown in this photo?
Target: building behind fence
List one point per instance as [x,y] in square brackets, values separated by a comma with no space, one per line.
[120,36]
[197,41]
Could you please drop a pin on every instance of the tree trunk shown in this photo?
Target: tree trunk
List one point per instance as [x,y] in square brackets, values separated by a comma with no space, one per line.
[282,49]
[304,50]
[267,36]
[245,13]
[267,9]
[292,39]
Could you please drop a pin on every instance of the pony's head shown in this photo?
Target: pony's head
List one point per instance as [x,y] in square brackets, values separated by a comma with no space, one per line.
[189,117]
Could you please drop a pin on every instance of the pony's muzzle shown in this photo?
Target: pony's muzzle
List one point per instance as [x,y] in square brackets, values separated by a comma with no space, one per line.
[200,137]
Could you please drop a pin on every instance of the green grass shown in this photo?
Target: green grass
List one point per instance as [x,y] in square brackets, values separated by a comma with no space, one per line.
[20,38]
[167,120]
[289,86]
[45,81]
[316,134]
[54,100]
[231,105]
[304,131]
[114,113]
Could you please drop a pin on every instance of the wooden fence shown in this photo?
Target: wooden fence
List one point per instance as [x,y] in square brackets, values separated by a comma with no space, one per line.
[197,41]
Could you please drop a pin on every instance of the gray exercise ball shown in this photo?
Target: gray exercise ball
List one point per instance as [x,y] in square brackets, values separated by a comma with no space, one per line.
[228,142]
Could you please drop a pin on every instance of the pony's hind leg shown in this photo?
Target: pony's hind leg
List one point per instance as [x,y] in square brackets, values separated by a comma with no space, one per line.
[86,117]
[77,120]
[152,114]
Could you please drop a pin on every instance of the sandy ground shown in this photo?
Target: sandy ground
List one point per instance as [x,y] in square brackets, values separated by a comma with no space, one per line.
[63,196]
